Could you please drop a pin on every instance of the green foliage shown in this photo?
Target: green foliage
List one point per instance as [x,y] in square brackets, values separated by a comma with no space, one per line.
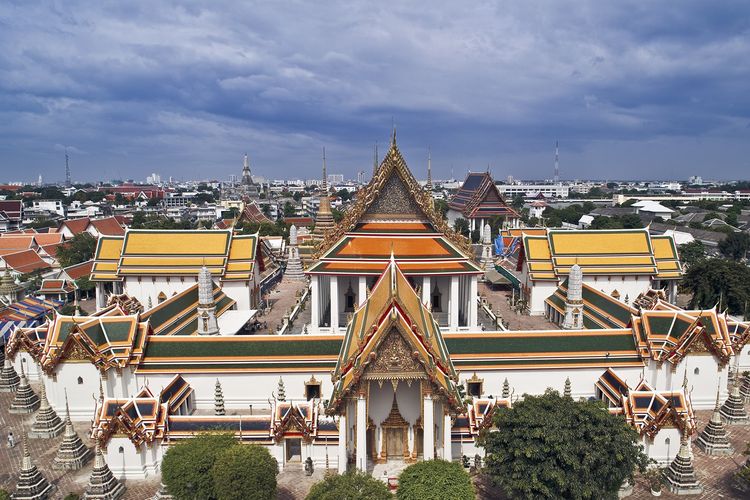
[441,206]
[78,249]
[67,310]
[461,226]
[186,467]
[353,485]
[475,236]
[555,217]
[289,209]
[554,447]
[344,194]
[33,281]
[43,222]
[142,221]
[690,253]
[4,495]
[718,282]
[518,201]
[245,472]
[337,214]
[70,496]
[262,228]
[435,480]
[735,246]
[626,221]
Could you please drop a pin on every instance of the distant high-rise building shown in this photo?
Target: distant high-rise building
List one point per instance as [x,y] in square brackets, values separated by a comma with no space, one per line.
[335,178]
[39,181]
[154,178]
[360,177]
[557,163]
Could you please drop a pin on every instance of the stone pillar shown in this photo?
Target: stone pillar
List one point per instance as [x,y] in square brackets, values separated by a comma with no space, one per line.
[362,433]
[334,304]
[411,442]
[426,291]
[429,429]
[447,444]
[362,292]
[472,302]
[101,298]
[453,314]
[315,306]
[342,444]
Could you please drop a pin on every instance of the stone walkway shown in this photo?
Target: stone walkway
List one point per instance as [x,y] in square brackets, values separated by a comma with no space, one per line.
[282,297]
[500,300]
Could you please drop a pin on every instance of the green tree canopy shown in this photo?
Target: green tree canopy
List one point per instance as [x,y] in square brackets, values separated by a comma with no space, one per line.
[353,485]
[690,253]
[435,480]
[719,282]
[735,246]
[186,467]
[554,447]
[78,249]
[245,472]
[441,207]
[461,226]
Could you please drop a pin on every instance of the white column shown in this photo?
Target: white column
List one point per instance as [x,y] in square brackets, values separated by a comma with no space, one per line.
[362,433]
[100,298]
[315,308]
[473,301]
[342,443]
[453,314]
[447,445]
[334,304]
[429,429]
[362,293]
[426,283]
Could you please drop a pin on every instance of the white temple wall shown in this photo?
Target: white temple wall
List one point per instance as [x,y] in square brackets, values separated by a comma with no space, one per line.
[81,380]
[150,287]
[30,366]
[703,373]
[127,461]
[664,446]
[538,294]
[242,292]
[627,286]
[744,358]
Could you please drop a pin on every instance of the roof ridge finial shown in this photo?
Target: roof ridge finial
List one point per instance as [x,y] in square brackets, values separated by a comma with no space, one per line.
[393,133]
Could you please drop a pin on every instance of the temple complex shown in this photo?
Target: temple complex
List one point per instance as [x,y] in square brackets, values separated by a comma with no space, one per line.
[397,359]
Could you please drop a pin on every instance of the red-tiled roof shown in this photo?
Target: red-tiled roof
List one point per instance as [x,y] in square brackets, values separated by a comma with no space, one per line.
[11,209]
[77,271]
[25,261]
[43,239]
[299,221]
[17,242]
[75,226]
[108,226]
[50,250]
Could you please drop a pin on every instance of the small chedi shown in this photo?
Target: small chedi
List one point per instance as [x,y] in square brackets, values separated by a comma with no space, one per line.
[47,423]
[31,484]
[25,399]
[714,439]
[72,453]
[680,475]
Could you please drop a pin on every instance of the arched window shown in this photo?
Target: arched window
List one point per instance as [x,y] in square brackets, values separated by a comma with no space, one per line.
[696,371]
[667,441]
[161,298]
[120,450]
[80,380]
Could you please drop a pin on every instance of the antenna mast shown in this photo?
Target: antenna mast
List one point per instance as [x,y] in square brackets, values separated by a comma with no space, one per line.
[557,164]
[67,169]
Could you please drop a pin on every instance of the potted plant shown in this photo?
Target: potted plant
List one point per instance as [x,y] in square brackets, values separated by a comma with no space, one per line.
[654,478]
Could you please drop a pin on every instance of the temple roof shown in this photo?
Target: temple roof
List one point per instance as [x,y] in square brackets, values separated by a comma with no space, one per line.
[175,253]
[479,197]
[178,315]
[599,309]
[602,252]
[393,308]
[393,195]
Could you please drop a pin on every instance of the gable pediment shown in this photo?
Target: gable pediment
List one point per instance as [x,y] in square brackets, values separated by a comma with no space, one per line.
[394,201]
[395,358]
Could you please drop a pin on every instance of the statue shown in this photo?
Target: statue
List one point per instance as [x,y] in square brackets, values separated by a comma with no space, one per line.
[308,466]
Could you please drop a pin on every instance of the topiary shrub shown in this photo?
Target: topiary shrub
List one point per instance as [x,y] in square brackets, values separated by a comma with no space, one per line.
[353,485]
[435,479]
[246,472]
[186,468]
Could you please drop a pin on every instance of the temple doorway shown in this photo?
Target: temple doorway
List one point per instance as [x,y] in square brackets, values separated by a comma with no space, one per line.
[394,442]
[293,450]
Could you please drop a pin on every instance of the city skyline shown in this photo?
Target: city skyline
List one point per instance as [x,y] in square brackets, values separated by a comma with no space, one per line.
[629,91]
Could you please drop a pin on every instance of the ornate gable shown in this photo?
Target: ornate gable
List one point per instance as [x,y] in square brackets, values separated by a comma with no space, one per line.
[393,192]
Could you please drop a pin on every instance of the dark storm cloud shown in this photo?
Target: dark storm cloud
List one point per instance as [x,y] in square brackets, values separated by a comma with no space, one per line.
[631,89]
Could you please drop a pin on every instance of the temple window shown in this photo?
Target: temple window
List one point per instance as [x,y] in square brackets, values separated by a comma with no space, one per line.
[80,380]
[474,386]
[161,298]
[696,371]
[312,389]
[437,299]
[349,299]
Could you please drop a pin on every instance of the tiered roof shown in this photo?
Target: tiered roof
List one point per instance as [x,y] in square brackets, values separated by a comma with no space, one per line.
[175,253]
[630,252]
[599,309]
[179,314]
[393,308]
[477,417]
[479,197]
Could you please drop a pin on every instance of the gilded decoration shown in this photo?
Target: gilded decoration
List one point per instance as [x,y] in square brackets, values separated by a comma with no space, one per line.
[394,199]
[393,165]
[395,360]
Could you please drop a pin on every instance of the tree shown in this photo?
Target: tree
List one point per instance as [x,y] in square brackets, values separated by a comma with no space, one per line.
[337,215]
[518,201]
[461,226]
[554,447]
[735,246]
[244,472]
[718,282]
[353,485]
[435,480]
[186,467]
[690,253]
[78,249]
[441,207]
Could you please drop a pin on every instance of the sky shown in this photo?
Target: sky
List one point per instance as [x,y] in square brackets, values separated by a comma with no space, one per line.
[630,89]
